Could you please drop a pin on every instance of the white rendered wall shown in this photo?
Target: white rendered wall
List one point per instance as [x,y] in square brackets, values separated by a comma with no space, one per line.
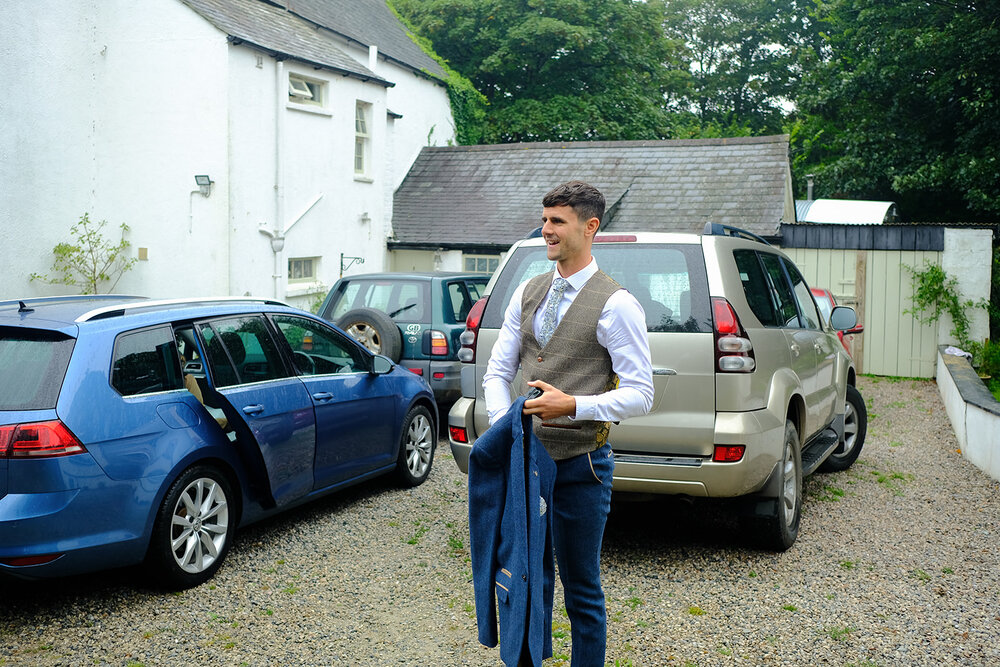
[968,257]
[127,104]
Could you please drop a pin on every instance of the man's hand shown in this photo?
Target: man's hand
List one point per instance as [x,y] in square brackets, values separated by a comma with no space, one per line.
[551,404]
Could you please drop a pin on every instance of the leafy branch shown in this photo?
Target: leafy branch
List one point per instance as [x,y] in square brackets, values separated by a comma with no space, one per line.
[90,260]
[935,293]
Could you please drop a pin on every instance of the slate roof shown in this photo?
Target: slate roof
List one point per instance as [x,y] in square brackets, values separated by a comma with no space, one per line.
[368,22]
[280,33]
[466,196]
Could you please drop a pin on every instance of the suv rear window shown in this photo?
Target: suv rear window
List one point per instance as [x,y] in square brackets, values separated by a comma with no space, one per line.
[32,365]
[668,280]
[402,300]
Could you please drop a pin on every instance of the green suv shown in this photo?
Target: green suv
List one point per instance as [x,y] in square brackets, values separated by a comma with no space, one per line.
[753,389]
[415,319]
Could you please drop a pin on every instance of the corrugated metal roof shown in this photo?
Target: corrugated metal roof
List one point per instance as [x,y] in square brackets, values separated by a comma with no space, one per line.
[277,31]
[492,194]
[846,211]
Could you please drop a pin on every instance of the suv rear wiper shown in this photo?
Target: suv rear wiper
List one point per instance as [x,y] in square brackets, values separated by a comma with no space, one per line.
[399,310]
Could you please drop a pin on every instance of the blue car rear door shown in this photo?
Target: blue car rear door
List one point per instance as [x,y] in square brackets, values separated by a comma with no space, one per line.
[356,416]
[268,406]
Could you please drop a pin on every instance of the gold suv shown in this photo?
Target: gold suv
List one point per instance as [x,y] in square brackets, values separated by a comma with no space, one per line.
[753,388]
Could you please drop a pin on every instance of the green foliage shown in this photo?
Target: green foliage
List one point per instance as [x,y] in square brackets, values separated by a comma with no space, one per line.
[559,70]
[90,260]
[903,104]
[935,293]
[468,105]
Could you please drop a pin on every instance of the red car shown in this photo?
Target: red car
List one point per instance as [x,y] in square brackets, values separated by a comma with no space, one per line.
[826,301]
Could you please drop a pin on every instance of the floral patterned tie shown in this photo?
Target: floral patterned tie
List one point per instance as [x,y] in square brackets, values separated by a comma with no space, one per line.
[559,286]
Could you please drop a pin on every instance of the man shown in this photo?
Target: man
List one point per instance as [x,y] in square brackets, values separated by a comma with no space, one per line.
[581,339]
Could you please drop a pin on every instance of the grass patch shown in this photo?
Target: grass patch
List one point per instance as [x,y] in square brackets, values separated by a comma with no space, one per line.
[634,602]
[789,607]
[696,611]
[838,634]
[921,576]
[847,564]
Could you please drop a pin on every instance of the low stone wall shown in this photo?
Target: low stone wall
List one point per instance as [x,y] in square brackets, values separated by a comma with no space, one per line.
[974,413]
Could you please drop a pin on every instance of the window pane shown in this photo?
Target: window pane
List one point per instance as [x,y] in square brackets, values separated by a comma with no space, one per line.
[146,362]
[755,287]
[241,350]
[470,264]
[319,350]
[32,365]
[803,297]
[788,313]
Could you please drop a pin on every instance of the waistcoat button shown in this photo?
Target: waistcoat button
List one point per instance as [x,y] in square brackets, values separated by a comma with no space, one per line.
[539,359]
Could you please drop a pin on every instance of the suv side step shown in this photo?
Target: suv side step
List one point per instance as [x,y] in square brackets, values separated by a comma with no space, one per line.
[818,449]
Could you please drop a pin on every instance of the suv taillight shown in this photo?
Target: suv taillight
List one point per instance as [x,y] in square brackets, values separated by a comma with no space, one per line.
[468,337]
[733,350]
[439,344]
[38,440]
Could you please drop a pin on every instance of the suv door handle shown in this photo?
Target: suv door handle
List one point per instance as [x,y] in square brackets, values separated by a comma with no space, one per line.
[795,349]
[322,396]
[253,409]
[664,371]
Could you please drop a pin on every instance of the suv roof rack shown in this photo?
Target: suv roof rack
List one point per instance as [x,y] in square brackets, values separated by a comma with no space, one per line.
[119,309]
[717,229]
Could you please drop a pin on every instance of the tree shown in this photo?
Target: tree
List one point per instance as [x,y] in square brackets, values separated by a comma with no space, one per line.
[559,70]
[906,106]
[746,58]
[90,260]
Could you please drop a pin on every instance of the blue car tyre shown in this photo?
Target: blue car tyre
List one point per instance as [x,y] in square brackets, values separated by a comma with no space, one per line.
[416,450]
[193,528]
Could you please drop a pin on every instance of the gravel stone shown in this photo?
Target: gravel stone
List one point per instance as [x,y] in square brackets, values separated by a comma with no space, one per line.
[897,563]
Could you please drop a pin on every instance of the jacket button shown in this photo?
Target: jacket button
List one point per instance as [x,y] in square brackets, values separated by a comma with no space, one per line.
[524,577]
[539,359]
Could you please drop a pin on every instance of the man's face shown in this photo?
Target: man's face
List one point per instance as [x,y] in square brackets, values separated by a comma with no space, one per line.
[566,236]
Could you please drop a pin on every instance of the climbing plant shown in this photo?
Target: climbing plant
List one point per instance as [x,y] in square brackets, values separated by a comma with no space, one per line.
[935,293]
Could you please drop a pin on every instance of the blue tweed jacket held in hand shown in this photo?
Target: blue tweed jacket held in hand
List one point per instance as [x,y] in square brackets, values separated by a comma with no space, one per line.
[510,528]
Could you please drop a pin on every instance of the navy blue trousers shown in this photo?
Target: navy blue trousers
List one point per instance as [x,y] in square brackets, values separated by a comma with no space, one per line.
[581,501]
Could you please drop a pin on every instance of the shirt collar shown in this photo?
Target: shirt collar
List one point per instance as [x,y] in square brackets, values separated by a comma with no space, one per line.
[580,278]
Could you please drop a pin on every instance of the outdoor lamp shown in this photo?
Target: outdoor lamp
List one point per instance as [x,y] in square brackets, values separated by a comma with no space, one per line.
[204,184]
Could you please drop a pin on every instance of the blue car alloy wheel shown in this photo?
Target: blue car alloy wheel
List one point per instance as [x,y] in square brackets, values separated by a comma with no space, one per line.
[193,529]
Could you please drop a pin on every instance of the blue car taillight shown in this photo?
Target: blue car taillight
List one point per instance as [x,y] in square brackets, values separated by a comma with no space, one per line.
[37,440]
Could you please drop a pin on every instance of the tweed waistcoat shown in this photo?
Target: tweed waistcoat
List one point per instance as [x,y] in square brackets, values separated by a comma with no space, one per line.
[573,361]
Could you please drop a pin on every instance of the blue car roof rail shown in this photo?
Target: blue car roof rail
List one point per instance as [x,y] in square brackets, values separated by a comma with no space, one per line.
[27,303]
[717,229]
[119,309]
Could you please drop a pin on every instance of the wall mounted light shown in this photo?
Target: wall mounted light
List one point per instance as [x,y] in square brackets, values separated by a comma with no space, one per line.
[204,184]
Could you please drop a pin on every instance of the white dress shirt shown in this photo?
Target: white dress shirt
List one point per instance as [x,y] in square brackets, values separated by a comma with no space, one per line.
[621,330]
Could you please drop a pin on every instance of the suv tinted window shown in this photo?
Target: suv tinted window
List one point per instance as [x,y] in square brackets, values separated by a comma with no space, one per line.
[804,298]
[788,312]
[755,286]
[402,300]
[241,350]
[668,280]
[146,362]
[32,365]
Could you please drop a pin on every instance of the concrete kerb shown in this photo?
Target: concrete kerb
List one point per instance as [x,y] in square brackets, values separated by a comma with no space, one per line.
[974,413]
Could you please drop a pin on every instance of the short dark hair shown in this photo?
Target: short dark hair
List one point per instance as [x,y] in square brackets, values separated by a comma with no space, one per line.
[585,200]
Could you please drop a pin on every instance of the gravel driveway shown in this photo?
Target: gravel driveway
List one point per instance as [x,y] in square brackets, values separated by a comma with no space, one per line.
[897,563]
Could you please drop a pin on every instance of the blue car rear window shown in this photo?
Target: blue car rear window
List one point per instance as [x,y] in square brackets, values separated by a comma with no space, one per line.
[32,364]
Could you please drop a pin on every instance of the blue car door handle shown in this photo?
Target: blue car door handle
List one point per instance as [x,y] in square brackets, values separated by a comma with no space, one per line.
[322,396]
[253,409]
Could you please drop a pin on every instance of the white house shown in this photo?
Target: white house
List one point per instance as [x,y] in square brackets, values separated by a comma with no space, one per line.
[305,116]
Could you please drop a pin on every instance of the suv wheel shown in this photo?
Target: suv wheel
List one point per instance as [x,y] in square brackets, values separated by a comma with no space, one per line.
[855,429]
[193,529]
[416,447]
[777,531]
[373,329]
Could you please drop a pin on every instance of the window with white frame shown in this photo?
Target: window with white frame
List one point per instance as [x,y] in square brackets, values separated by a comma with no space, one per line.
[302,90]
[302,269]
[362,138]
[481,263]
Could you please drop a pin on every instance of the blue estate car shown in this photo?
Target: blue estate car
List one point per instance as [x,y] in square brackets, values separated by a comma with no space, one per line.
[134,430]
